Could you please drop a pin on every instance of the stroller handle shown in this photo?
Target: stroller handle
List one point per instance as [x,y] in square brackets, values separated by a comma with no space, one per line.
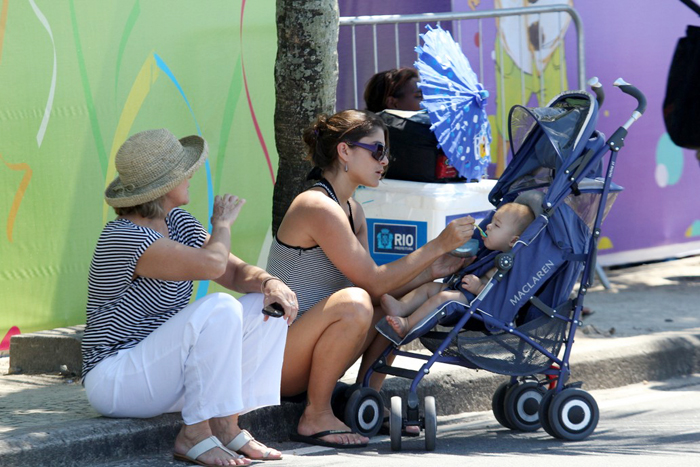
[637,94]
[597,88]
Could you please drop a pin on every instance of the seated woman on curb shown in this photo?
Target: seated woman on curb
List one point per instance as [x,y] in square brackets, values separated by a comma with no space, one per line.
[321,252]
[146,350]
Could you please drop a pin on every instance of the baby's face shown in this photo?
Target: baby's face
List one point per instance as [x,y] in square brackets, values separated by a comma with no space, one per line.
[501,231]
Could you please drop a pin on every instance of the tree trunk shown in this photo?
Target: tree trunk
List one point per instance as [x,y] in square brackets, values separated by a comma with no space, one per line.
[306,75]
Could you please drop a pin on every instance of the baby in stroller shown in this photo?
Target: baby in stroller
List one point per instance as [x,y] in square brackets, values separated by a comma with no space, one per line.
[509,221]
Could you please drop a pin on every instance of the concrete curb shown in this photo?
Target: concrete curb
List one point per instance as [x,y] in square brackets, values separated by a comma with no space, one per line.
[598,362]
[52,351]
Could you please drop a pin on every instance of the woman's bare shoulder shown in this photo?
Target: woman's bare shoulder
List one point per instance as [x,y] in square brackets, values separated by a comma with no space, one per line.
[312,202]
[312,213]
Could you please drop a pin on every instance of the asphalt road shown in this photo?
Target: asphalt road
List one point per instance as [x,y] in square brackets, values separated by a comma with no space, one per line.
[642,425]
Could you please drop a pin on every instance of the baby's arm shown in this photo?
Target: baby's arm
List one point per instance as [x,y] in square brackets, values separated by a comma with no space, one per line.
[473,284]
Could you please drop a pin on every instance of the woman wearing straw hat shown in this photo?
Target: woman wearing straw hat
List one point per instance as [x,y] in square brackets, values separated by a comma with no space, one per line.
[146,349]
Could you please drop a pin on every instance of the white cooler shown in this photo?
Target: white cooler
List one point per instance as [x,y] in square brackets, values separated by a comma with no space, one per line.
[403,216]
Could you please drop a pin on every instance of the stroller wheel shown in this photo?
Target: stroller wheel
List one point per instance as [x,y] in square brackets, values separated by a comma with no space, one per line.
[395,423]
[430,423]
[573,414]
[522,405]
[498,405]
[339,398]
[543,412]
[364,412]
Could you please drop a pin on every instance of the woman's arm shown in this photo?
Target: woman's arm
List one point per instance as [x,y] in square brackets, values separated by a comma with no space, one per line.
[245,278]
[443,266]
[315,219]
[166,259]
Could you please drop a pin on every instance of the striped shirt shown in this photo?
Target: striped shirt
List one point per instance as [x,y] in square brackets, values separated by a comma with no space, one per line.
[307,272]
[121,310]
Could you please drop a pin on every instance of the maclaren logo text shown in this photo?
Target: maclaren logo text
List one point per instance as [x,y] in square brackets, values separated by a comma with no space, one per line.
[525,289]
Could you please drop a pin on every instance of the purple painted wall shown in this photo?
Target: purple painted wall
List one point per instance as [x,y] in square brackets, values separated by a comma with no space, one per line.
[660,206]
[658,214]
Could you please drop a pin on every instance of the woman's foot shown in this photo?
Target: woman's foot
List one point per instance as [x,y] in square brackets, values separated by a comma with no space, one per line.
[244,443]
[391,306]
[398,324]
[190,435]
[227,430]
[316,422]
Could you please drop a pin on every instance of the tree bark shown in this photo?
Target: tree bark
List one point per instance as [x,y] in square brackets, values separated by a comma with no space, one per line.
[306,75]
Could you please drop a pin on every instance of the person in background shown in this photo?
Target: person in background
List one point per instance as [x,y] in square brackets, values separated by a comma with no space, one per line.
[393,89]
[146,349]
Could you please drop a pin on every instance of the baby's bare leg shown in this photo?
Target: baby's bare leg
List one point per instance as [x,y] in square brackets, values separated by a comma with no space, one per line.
[411,301]
[402,325]
[399,324]
[432,303]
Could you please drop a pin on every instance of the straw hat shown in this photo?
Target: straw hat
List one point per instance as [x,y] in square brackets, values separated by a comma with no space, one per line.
[150,164]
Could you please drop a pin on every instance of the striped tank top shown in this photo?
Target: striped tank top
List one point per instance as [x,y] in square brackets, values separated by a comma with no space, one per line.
[307,271]
[122,311]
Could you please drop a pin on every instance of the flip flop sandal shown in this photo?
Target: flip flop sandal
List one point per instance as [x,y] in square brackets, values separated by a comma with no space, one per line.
[244,438]
[200,448]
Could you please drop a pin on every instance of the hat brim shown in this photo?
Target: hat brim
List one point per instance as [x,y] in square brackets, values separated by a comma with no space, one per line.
[195,153]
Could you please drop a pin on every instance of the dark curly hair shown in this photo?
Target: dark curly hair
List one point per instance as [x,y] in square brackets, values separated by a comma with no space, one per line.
[385,84]
[322,138]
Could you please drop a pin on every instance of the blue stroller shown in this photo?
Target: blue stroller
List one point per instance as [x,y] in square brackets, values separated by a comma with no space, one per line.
[523,322]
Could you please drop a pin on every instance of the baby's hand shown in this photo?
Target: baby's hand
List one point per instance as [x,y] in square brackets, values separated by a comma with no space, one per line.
[471,283]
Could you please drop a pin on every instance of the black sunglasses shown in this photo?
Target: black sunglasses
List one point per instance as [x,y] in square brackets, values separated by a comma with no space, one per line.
[376,150]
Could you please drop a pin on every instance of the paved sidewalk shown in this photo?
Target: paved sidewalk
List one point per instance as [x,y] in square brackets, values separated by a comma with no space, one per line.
[647,327]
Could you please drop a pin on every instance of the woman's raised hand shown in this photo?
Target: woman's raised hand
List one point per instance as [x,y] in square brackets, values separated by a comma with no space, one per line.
[456,233]
[226,209]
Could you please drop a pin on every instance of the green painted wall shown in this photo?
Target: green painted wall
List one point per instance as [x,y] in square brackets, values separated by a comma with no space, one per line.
[77,77]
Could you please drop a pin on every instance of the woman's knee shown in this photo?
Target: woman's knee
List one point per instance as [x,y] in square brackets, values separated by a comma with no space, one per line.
[220,308]
[356,306]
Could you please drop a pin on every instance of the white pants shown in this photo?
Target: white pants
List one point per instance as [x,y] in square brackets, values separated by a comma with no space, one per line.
[214,358]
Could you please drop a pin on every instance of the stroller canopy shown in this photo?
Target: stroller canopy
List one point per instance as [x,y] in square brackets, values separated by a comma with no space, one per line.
[549,138]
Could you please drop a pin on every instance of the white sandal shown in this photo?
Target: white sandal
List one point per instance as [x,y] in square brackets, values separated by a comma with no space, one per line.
[244,438]
[200,448]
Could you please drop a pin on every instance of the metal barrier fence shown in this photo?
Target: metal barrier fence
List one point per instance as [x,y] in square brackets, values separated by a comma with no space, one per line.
[360,25]
[457,19]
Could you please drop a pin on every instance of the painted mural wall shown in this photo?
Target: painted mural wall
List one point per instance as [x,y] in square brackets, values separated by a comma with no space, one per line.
[77,77]
[658,214]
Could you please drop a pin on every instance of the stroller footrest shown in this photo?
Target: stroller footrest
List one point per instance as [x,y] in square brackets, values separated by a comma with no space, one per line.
[394,371]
